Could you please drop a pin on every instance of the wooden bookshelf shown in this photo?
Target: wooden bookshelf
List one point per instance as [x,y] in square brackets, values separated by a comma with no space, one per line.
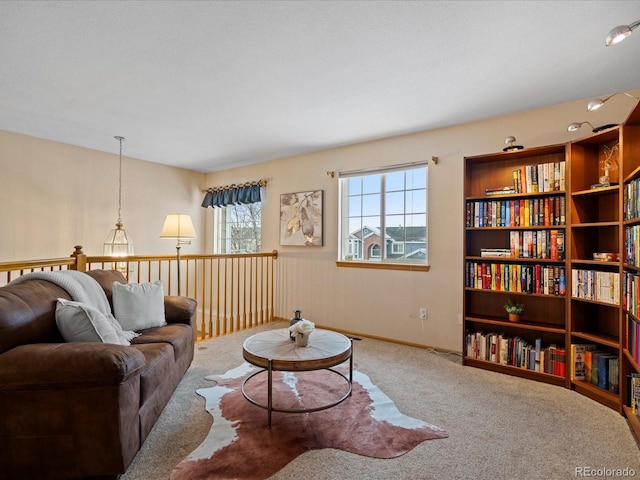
[521,221]
[630,266]
[592,306]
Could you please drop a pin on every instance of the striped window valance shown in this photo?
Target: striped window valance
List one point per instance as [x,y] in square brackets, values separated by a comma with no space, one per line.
[234,194]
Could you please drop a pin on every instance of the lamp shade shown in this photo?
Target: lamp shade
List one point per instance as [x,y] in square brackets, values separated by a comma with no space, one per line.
[178,225]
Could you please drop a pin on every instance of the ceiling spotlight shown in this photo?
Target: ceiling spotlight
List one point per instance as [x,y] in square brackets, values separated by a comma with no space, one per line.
[510,146]
[619,33]
[594,105]
[577,125]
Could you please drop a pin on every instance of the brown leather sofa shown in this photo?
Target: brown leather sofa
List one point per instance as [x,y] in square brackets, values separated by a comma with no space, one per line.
[81,410]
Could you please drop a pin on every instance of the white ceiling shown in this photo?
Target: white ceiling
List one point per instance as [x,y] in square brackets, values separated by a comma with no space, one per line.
[209,85]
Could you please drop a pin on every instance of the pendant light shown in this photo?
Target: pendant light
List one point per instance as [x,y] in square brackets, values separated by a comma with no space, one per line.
[119,243]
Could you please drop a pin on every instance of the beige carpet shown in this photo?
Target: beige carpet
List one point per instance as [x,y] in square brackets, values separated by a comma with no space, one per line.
[500,427]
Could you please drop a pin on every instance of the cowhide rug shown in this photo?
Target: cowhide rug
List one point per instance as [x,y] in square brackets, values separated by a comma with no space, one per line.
[240,446]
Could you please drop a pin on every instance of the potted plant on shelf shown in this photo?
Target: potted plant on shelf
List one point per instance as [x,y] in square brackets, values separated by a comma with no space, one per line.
[514,310]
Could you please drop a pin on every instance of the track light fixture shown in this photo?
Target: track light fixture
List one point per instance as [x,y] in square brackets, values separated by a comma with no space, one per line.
[595,104]
[577,125]
[510,146]
[619,33]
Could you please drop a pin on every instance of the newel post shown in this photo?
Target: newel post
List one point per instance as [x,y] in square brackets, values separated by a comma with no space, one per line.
[81,259]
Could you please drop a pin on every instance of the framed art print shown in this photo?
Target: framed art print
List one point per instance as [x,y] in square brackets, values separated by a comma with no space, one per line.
[301,218]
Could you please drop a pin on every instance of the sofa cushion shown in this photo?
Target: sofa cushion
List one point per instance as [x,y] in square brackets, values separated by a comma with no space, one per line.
[178,335]
[138,306]
[79,322]
[159,372]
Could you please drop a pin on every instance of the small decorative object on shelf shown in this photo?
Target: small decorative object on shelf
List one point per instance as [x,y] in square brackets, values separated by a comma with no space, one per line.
[301,331]
[609,165]
[514,310]
[606,256]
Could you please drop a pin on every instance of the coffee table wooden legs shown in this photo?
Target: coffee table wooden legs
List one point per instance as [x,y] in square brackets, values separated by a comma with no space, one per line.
[270,391]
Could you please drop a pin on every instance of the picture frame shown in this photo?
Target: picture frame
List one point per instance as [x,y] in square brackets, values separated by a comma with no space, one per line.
[301,218]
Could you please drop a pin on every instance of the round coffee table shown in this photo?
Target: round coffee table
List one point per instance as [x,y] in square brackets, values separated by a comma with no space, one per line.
[273,350]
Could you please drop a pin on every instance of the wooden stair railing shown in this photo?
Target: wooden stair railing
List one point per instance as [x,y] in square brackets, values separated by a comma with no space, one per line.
[233,291]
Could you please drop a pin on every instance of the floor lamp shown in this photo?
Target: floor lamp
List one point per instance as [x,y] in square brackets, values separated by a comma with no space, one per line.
[178,226]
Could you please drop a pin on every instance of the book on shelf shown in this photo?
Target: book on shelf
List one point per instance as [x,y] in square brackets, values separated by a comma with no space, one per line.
[543,177]
[577,364]
[516,352]
[590,359]
[595,285]
[495,252]
[633,392]
[631,292]
[499,191]
[631,194]
[604,363]
[613,383]
[632,337]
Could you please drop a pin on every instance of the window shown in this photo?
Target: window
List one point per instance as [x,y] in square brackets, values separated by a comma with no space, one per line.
[238,228]
[384,215]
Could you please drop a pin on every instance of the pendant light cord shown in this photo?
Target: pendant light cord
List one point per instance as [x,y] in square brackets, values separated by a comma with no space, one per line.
[120,182]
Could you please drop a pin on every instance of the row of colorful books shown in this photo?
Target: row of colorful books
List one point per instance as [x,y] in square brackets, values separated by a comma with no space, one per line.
[524,212]
[517,352]
[595,366]
[632,245]
[538,244]
[595,285]
[631,292]
[544,177]
[506,277]
[631,194]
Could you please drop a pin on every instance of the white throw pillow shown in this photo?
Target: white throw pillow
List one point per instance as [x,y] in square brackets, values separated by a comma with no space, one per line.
[138,306]
[79,322]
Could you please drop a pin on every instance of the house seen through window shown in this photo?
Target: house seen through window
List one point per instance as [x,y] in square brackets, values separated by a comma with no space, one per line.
[238,228]
[383,215]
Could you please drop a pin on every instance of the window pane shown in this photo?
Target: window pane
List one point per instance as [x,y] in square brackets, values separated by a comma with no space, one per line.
[355,206]
[419,220]
[371,184]
[371,224]
[371,205]
[238,229]
[354,186]
[394,181]
[394,203]
[416,201]
[417,178]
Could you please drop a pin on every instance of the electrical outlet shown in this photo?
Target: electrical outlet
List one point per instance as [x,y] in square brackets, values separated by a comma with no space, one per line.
[459,319]
[423,313]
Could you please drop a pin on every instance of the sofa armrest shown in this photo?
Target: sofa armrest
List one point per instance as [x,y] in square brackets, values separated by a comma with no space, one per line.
[45,366]
[180,309]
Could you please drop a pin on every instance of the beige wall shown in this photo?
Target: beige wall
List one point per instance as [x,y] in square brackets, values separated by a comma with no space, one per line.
[54,196]
[386,303]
